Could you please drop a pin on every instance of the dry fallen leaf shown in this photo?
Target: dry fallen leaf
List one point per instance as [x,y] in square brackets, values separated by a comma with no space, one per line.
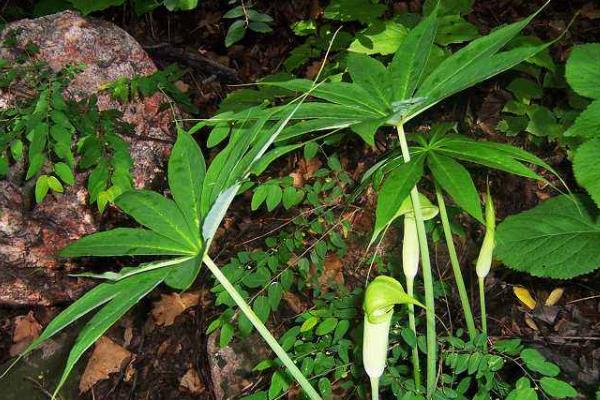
[332,272]
[294,302]
[107,358]
[525,297]
[170,306]
[191,382]
[27,329]
[554,296]
[531,323]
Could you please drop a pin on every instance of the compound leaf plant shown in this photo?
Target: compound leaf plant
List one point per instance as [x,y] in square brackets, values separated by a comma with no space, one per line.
[178,230]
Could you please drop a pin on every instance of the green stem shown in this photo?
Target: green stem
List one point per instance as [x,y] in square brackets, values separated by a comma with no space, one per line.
[374,388]
[427,275]
[262,329]
[413,327]
[460,283]
[482,307]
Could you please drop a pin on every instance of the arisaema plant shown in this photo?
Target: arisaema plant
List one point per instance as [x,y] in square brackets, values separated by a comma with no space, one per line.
[382,294]
[376,95]
[178,231]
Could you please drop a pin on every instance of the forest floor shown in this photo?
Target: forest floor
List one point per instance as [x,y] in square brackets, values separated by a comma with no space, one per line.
[567,333]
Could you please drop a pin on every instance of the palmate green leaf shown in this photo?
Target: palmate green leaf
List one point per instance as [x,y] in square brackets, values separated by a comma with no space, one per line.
[186,172]
[394,190]
[587,124]
[586,166]
[583,70]
[457,182]
[477,61]
[557,239]
[368,72]
[411,58]
[159,214]
[474,74]
[125,242]
[128,293]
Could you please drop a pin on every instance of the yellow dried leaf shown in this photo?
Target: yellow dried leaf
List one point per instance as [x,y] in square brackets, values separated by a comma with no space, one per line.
[107,358]
[524,297]
[531,323]
[554,297]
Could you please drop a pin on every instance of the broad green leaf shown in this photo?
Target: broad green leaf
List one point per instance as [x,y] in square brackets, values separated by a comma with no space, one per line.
[583,70]
[186,174]
[455,29]
[160,215]
[125,242]
[64,172]
[131,291]
[557,239]
[326,326]
[380,37]
[557,389]
[41,188]
[235,33]
[457,182]
[411,58]
[587,124]
[535,361]
[586,166]
[394,190]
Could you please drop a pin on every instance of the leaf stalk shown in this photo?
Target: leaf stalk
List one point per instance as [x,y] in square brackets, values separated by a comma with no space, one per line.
[427,275]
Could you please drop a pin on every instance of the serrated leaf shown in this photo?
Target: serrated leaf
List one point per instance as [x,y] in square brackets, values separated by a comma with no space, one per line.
[587,124]
[557,239]
[582,71]
[586,167]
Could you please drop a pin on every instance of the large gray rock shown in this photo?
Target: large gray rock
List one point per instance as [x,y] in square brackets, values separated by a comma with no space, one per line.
[30,236]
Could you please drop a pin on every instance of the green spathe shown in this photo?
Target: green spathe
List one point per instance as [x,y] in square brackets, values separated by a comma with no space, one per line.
[382,295]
